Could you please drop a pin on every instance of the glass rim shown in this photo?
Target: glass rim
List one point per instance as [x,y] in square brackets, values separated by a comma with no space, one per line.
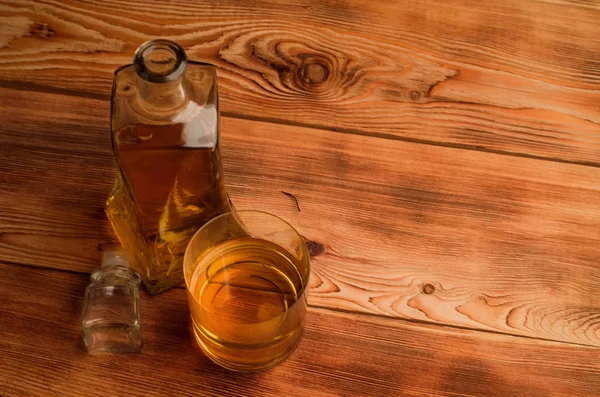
[233,214]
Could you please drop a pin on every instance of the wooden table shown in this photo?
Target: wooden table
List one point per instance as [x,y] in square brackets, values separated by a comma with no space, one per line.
[446,160]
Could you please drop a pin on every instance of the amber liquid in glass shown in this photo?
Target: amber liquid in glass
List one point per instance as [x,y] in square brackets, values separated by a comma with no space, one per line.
[169,192]
[247,303]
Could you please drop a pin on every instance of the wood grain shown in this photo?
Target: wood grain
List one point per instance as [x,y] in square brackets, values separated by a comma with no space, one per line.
[340,354]
[427,233]
[510,76]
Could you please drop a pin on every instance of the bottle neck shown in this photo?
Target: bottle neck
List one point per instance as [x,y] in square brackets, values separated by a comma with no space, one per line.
[115,269]
[160,66]
[163,96]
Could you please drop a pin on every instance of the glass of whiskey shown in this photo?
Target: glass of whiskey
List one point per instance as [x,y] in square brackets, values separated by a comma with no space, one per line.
[246,274]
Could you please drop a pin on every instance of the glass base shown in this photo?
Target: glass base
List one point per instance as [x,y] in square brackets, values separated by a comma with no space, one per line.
[252,365]
[112,338]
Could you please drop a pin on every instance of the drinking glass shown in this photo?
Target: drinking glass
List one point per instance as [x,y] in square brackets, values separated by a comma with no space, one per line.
[246,274]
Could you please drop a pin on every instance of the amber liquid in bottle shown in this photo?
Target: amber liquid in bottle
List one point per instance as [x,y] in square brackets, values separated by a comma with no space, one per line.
[174,191]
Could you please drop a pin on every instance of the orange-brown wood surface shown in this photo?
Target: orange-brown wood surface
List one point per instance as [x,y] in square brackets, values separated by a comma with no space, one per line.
[512,76]
[341,354]
[446,161]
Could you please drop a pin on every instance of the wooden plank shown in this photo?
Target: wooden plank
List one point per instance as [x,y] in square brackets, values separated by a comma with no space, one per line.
[41,354]
[57,170]
[399,229]
[510,76]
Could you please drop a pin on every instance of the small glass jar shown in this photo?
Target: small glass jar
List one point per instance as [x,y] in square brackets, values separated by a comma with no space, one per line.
[110,320]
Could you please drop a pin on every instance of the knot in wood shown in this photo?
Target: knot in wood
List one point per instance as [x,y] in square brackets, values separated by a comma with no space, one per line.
[428,289]
[415,95]
[314,248]
[41,30]
[314,73]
